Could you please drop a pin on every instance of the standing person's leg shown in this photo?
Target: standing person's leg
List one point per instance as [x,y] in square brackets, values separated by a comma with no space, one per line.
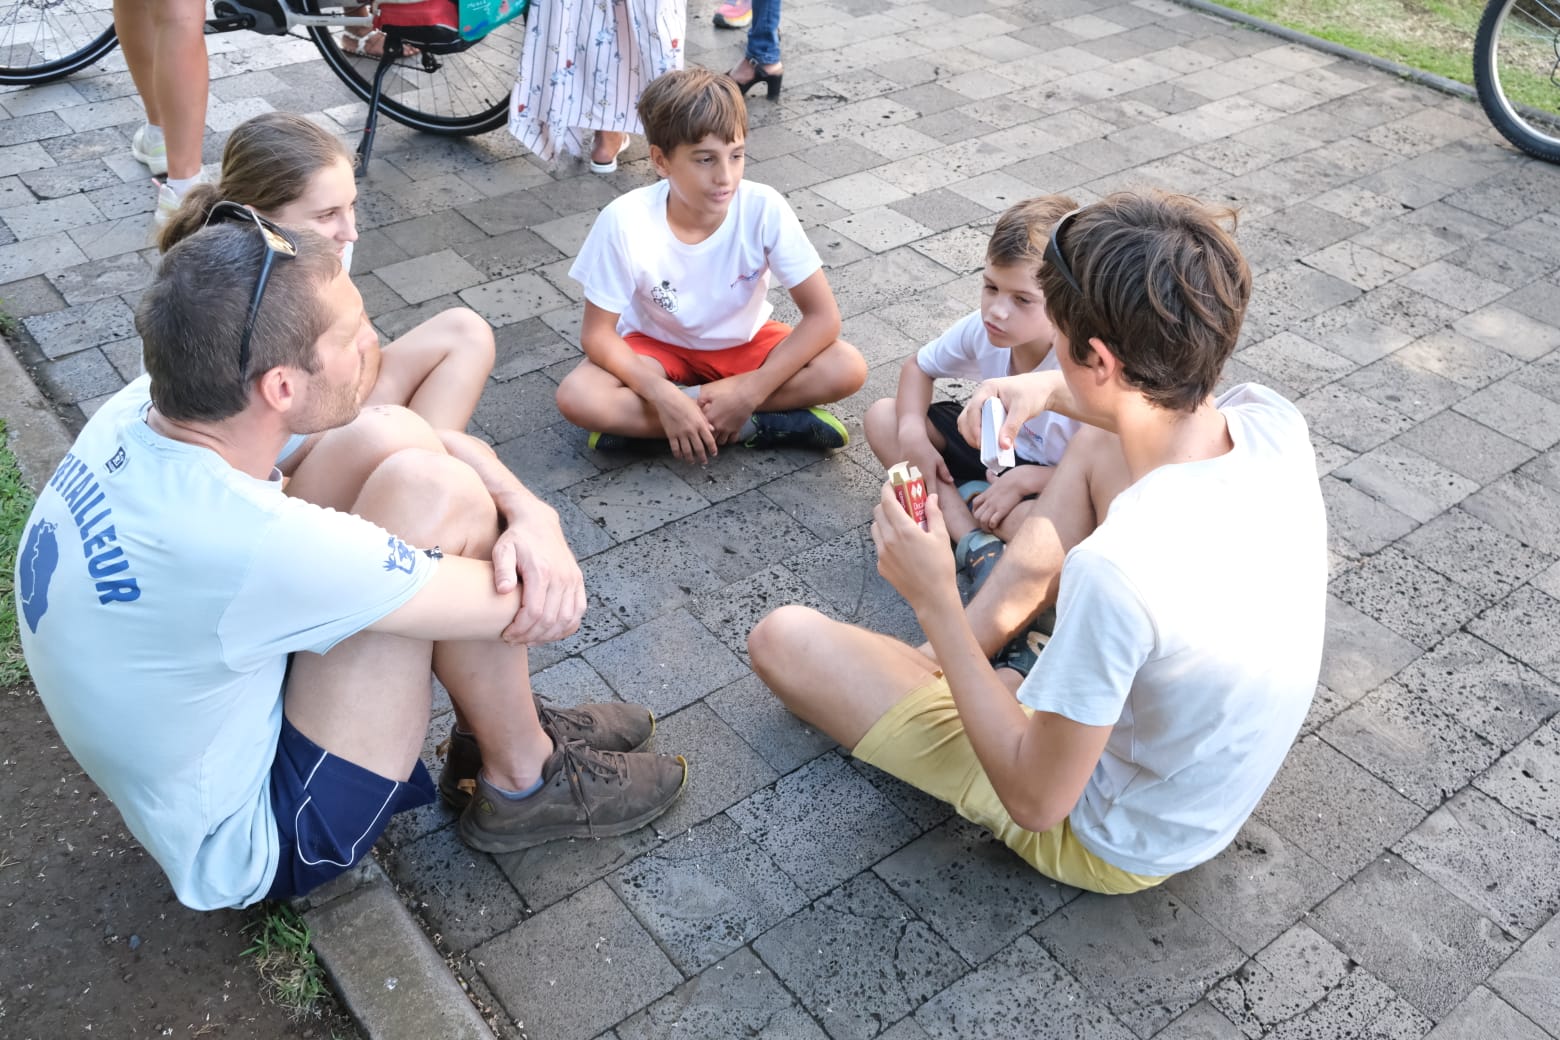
[761,62]
[179,79]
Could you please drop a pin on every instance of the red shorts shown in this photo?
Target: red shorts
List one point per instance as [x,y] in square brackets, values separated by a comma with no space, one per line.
[692,367]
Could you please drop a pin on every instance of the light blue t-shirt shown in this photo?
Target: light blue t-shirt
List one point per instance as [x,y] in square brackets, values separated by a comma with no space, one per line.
[159,592]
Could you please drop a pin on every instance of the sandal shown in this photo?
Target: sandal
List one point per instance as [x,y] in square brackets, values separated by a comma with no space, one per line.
[1023,653]
[610,165]
[370,44]
[976,554]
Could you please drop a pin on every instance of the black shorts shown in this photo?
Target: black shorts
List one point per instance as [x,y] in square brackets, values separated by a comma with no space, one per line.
[963,458]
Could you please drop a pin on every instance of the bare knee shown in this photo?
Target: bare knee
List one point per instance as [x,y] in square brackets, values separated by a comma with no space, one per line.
[778,639]
[472,344]
[881,424]
[847,370]
[579,395]
[429,498]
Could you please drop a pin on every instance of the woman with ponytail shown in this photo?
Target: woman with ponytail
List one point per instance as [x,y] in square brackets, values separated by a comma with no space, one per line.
[288,169]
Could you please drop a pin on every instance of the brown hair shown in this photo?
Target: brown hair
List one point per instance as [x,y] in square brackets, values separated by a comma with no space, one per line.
[685,106]
[267,163]
[1022,231]
[1164,286]
[191,318]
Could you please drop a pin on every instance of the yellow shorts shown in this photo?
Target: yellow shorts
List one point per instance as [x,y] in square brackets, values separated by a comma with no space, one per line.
[921,740]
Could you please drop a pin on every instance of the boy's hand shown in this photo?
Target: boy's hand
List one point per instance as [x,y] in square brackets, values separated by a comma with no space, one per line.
[1024,397]
[917,563]
[727,404]
[992,506]
[687,430]
[921,454]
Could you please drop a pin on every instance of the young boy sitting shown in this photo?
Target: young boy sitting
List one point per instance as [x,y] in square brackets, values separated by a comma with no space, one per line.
[1007,335]
[677,338]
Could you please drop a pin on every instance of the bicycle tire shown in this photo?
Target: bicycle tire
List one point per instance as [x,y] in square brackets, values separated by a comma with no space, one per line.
[44,41]
[1517,50]
[468,94]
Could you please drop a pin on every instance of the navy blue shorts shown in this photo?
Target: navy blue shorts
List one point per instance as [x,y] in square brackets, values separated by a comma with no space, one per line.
[330,812]
[963,458]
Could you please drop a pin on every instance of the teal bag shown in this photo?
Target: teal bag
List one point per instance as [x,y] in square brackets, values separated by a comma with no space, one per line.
[480,17]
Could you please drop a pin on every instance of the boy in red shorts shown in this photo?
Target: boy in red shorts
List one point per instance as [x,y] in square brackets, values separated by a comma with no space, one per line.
[677,338]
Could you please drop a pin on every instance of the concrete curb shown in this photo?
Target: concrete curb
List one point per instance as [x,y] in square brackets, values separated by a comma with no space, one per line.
[1429,79]
[363,933]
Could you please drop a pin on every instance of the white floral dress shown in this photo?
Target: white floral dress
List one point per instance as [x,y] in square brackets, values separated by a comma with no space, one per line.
[585,64]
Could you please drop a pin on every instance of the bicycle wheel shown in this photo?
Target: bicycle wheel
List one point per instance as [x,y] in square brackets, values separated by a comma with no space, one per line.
[44,40]
[1516,68]
[468,93]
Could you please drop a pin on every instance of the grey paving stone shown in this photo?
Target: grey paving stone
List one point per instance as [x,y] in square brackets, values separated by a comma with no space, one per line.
[1356,264]
[1413,935]
[1020,986]
[1456,357]
[1490,859]
[1255,888]
[976,893]
[598,624]
[1407,481]
[757,716]
[1408,597]
[1425,754]
[844,571]
[722,769]
[665,663]
[1335,811]
[1482,688]
[1522,508]
[923,810]
[829,497]
[822,824]
[1351,418]
[648,576]
[1545,469]
[1526,981]
[1484,1014]
[859,958]
[732,611]
[1474,554]
[576,968]
[519,406]
[78,377]
[547,459]
[1302,986]
[424,277]
[1519,413]
[705,894]
[1360,653]
[460,893]
[1200,1022]
[741,535]
[1527,780]
[638,498]
[735,471]
[505,301]
[737,997]
[1463,446]
[1510,330]
[1343,330]
[1147,956]
[1296,362]
[1522,625]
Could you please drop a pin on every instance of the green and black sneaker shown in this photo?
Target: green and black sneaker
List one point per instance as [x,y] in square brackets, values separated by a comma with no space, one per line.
[615,442]
[798,428]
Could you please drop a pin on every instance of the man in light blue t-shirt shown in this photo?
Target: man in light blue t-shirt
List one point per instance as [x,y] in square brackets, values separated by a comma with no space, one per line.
[245,672]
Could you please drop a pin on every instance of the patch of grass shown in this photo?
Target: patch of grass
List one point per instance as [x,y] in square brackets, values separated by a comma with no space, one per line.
[16,502]
[283,955]
[1425,34]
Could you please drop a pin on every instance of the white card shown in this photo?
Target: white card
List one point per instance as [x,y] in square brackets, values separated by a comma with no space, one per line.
[992,415]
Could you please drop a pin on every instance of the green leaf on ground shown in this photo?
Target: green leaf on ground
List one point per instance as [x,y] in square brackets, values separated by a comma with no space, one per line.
[16,502]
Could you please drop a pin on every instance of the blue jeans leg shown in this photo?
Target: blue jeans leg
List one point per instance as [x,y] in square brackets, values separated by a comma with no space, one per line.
[763,46]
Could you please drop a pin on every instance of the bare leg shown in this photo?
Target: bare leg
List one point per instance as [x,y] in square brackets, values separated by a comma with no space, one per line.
[881,425]
[837,677]
[836,372]
[438,369]
[181,79]
[1024,582]
[332,469]
[367,700]
[592,398]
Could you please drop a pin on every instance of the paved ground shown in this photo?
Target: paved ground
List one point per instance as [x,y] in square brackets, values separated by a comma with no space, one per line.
[1402,875]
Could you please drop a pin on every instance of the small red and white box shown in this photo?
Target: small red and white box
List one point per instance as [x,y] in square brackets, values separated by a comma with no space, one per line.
[910,491]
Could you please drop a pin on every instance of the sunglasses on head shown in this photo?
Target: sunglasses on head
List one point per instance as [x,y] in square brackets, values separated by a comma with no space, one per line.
[277,243]
[1053,252]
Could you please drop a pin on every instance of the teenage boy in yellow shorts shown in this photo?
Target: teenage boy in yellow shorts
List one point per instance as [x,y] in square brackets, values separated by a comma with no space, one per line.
[678,343]
[1189,626]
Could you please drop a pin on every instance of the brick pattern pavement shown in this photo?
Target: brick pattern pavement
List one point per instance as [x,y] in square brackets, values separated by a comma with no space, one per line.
[1401,877]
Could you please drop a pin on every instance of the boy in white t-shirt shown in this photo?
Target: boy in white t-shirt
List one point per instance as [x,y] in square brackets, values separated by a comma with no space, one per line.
[678,343]
[1192,598]
[1008,334]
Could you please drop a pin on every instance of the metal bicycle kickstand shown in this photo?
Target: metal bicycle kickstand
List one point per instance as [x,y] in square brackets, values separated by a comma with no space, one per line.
[392,51]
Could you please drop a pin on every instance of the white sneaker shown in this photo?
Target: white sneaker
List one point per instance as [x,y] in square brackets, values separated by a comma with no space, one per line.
[153,157]
[169,201]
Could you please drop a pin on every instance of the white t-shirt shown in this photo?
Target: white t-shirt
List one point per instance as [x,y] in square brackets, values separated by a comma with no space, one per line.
[160,591]
[1191,621]
[966,352]
[707,296]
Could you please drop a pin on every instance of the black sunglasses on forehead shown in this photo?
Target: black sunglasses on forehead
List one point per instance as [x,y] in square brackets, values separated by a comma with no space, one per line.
[1053,251]
[277,243]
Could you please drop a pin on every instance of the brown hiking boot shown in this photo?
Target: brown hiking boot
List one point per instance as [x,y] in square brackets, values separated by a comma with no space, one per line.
[585,793]
[609,726]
